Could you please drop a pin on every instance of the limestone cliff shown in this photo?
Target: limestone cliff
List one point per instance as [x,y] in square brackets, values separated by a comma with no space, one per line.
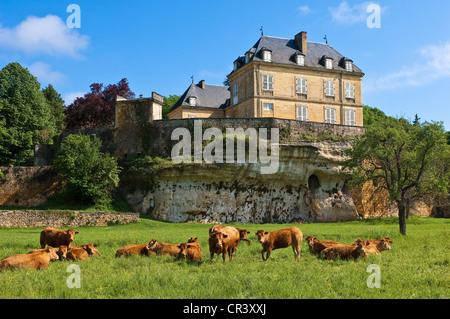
[309,186]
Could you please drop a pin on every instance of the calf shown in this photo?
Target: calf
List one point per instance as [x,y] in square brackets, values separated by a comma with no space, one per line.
[347,251]
[243,235]
[282,238]
[77,254]
[61,251]
[223,240]
[55,237]
[316,246]
[130,250]
[163,248]
[190,251]
[90,248]
[38,260]
[381,244]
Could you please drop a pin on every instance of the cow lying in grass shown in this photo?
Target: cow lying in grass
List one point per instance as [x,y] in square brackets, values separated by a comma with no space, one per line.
[317,246]
[346,252]
[130,250]
[163,248]
[37,260]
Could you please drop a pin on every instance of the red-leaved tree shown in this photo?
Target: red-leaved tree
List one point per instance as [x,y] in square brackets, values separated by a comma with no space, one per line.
[96,108]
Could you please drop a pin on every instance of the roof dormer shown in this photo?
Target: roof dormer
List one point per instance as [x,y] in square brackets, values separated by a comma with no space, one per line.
[299,58]
[327,62]
[347,64]
[266,54]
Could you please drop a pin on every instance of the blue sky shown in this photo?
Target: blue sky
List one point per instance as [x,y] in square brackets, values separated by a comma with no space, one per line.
[159,45]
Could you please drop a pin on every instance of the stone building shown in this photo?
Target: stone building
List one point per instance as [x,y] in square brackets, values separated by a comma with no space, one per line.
[288,79]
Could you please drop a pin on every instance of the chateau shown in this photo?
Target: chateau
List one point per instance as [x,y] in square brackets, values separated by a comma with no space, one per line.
[282,78]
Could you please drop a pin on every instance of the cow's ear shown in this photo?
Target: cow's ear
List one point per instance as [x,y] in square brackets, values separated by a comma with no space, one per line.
[266,232]
[179,246]
[225,236]
[188,246]
[195,238]
[76,232]
[248,232]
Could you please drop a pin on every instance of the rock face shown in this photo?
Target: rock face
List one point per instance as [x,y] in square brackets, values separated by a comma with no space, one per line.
[309,186]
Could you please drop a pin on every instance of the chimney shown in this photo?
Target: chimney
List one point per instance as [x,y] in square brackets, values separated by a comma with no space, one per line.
[202,84]
[301,41]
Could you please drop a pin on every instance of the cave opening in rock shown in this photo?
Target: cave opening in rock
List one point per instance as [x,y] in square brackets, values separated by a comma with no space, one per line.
[313,183]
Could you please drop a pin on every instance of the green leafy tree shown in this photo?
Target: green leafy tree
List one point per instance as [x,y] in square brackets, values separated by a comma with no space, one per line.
[410,161]
[24,113]
[169,102]
[57,107]
[91,175]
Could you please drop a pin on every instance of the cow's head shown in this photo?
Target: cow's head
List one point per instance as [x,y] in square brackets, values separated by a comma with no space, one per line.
[70,233]
[152,244]
[361,246]
[192,240]
[89,248]
[52,251]
[310,240]
[183,250]
[62,252]
[217,238]
[384,244]
[243,235]
[262,235]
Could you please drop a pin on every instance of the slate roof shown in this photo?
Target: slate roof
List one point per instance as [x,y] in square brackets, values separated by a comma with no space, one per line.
[283,51]
[212,96]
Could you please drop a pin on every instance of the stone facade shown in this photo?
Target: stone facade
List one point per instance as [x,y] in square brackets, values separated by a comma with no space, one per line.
[62,219]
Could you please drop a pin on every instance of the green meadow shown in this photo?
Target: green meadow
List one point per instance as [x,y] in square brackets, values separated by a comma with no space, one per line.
[416,267]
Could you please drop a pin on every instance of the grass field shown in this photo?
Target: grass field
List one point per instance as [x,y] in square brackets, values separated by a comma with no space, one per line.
[416,267]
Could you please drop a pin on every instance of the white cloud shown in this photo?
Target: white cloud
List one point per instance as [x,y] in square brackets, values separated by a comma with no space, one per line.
[434,64]
[346,14]
[45,74]
[47,35]
[70,97]
[303,11]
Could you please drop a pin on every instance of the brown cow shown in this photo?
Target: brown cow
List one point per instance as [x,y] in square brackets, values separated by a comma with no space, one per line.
[316,246]
[381,244]
[282,238]
[223,240]
[190,251]
[90,248]
[55,237]
[77,254]
[129,250]
[39,260]
[61,251]
[163,248]
[243,235]
[347,251]
[376,245]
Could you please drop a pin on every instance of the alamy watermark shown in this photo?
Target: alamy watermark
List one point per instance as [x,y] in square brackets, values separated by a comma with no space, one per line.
[74,280]
[373,20]
[74,19]
[374,280]
[213,152]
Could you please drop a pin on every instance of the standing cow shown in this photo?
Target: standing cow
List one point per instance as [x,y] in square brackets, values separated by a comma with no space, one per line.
[55,237]
[282,238]
[223,240]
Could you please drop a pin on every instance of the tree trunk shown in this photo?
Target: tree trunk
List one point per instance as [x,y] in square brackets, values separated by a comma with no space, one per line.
[402,217]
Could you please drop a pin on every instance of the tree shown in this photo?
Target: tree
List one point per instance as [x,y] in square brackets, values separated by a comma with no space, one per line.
[91,175]
[96,108]
[57,107]
[410,161]
[25,114]
[169,102]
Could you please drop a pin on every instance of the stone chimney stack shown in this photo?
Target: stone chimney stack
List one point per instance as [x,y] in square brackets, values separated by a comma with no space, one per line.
[302,42]
[202,84]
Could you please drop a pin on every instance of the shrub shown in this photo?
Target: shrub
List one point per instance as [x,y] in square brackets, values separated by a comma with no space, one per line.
[91,175]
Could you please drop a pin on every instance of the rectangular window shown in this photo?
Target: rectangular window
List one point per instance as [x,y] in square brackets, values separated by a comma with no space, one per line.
[268,107]
[349,66]
[329,63]
[330,116]
[350,117]
[302,113]
[349,90]
[300,59]
[301,86]
[329,88]
[267,56]
[235,94]
[267,82]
